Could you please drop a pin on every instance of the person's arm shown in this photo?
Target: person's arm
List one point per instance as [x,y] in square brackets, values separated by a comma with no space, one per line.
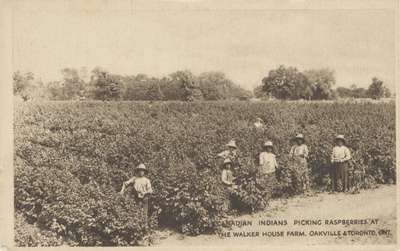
[305,152]
[275,163]
[347,154]
[260,159]
[130,181]
[126,183]
[149,189]
[333,159]
[291,153]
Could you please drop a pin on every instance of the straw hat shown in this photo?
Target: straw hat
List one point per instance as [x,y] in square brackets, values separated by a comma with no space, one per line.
[268,143]
[340,137]
[227,161]
[299,136]
[232,143]
[141,167]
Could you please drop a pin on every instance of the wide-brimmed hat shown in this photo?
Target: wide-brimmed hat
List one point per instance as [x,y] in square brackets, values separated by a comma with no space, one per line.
[259,119]
[299,136]
[340,137]
[232,143]
[268,143]
[141,167]
[227,161]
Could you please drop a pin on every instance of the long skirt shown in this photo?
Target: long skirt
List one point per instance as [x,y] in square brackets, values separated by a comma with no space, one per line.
[300,175]
[268,183]
[228,190]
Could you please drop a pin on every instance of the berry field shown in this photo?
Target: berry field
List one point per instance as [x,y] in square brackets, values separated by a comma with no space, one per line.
[71,159]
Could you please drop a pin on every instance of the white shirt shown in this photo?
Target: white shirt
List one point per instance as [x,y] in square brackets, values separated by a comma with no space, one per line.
[268,162]
[299,150]
[258,124]
[227,176]
[142,186]
[340,154]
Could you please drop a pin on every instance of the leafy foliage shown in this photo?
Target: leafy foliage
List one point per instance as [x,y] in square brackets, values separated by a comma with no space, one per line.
[106,85]
[321,82]
[27,235]
[72,157]
[352,92]
[287,83]
[103,85]
[377,90]
[23,84]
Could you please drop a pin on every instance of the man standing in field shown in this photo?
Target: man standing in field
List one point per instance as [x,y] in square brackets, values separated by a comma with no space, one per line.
[142,187]
[300,173]
[267,167]
[339,170]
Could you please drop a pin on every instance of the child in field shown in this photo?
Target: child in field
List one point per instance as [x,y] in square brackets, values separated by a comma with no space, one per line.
[228,180]
[267,166]
[259,124]
[298,155]
[227,174]
[339,170]
[142,187]
[231,153]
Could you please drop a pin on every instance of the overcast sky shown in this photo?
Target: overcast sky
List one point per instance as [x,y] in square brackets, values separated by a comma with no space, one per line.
[245,44]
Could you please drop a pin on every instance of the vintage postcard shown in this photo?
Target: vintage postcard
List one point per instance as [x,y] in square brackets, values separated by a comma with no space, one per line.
[198,124]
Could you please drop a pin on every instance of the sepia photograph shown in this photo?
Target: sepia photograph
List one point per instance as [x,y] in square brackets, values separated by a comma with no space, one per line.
[197,123]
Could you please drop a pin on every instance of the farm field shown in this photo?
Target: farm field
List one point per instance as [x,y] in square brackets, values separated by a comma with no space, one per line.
[72,157]
[382,206]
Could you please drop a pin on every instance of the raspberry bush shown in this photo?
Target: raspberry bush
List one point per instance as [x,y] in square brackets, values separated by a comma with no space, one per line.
[72,157]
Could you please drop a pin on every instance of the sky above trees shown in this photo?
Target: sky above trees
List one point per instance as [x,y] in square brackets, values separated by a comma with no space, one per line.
[244,44]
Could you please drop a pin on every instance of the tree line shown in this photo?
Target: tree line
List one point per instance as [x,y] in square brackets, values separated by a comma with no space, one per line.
[287,83]
[103,85]
[316,84]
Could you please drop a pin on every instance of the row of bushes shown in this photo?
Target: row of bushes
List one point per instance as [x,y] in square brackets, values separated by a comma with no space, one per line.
[71,160]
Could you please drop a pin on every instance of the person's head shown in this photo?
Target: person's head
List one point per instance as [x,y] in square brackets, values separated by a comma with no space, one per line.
[227,164]
[141,170]
[339,140]
[268,146]
[259,120]
[231,145]
[299,139]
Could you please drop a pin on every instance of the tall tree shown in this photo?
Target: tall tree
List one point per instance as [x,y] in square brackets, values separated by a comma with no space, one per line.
[259,93]
[386,92]
[23,85]
[321,82]
[72,85]
[188,85]
[376,90]
[214,85]
[106,86]
[286,83]
[136,87]
[170,89]
[154,90]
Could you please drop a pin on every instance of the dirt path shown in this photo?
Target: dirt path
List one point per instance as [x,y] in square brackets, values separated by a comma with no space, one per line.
[378,204]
